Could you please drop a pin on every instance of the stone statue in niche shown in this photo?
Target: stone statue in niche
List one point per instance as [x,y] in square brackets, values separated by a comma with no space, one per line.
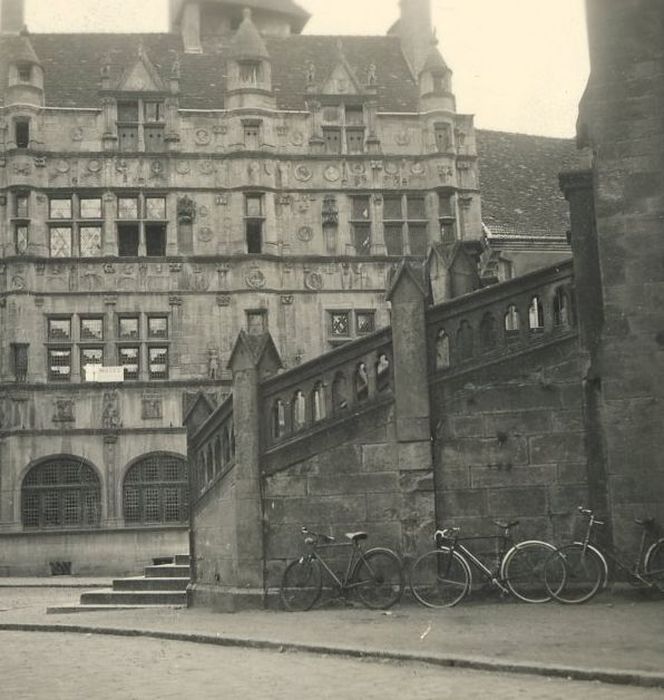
[64,411]
[311,73]
[372,80]
[213,364]
[330,211]
[111,410]
[186,210]
[151,407]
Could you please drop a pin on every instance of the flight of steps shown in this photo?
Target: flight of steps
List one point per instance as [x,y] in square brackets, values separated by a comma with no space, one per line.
[163,585]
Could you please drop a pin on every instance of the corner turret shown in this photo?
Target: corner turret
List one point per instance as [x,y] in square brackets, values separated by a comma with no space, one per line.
[25,79]
[435,83]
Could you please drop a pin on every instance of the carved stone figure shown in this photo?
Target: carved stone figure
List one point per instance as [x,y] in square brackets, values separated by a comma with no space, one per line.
[111,410]
[186,210]
[213,364]
[330,211]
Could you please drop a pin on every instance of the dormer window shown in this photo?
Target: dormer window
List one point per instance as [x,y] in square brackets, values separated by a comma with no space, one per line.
[250,72]
[141,126]
[25,73]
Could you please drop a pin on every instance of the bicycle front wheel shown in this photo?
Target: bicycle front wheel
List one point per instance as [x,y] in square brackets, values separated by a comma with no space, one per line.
[584,573]
[378,579]
[301,585]
[523,571]
[440,578]
[654,565]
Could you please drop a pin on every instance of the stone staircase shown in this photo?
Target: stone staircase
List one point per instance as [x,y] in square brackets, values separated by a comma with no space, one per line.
[163,585]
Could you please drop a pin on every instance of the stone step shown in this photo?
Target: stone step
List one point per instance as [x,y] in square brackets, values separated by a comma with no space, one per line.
[178,559]
[68,609]
[110,597]
[169,583]
[167,571]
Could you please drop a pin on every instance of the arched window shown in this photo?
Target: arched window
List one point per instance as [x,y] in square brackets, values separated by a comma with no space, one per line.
[210,464]
[318,402]
[560,308]
[383,377]
[339,393]
[155,489]
[226,445]
[442,350]
[488,335]
[512,320]
[61,492]
[465,341]
[278,419]
[361,383]
[536,315]
[217,456]
[299,411]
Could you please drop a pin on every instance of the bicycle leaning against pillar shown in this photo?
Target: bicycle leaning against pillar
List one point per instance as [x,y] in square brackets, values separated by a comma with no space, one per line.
[443,576]
[578,571]
[374,575]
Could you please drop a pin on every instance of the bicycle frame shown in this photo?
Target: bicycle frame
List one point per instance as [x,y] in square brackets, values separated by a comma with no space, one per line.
[493,576]
[356,556]
[604,551]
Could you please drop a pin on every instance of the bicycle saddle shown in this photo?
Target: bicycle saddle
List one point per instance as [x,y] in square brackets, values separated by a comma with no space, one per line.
[356,536]
[646,522]
[505,525]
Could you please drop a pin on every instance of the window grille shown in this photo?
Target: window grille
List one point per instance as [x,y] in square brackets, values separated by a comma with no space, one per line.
[63,492]
[156,490]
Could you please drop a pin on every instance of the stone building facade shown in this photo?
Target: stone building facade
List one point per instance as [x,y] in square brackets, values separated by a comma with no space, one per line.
[160,193]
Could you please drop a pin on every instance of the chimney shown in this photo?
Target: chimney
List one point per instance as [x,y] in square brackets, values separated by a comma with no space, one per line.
[12,16]
[415,28]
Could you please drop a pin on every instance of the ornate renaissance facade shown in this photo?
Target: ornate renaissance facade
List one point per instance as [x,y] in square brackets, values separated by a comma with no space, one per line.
[162,192]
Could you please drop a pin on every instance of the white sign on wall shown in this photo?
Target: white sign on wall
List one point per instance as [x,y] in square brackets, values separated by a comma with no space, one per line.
[98,373]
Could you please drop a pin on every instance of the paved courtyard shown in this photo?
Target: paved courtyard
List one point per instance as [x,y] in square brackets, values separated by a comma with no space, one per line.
[77,667]
[613,634]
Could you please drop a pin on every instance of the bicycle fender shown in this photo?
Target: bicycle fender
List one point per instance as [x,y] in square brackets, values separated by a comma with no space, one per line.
[517,547]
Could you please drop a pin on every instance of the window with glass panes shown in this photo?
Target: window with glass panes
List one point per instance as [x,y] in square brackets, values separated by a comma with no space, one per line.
[156,490]
[141,125]
[254,221]
[252,133]
[405,218]
[143,336]
[62,492]
[21,222]
[75,226]
[447,217]
[91,349]
[59,348]
[344,325]
[361,224]
[141,225]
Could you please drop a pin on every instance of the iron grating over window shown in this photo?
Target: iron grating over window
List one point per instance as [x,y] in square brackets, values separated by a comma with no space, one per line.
[156,490]
[63,492]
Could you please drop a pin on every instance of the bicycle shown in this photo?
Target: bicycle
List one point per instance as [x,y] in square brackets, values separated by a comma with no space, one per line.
[375,575]
[583,565]
[443,576]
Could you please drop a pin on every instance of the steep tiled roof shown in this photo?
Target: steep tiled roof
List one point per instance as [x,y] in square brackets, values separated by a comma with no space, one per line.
[71,64]
[247,41]
[284,7]
[519,182]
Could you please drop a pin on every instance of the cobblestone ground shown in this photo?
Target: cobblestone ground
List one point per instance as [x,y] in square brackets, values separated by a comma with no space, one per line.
[53,666]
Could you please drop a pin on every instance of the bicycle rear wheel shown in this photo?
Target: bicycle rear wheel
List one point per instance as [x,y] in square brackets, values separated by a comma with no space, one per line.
[440,578]
[378,579]
[584,573]
[523,568]
[654,565]
[301,585]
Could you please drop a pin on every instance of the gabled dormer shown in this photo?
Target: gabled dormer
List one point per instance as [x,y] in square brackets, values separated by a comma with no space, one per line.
[25,83]
[249,69]
[140,105]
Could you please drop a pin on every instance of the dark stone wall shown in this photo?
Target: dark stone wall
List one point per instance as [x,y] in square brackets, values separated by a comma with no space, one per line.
[510,444]
[350,476]
[621,118]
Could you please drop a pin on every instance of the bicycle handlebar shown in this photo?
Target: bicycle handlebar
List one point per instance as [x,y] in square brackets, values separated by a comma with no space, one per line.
[448,533]
[317,535]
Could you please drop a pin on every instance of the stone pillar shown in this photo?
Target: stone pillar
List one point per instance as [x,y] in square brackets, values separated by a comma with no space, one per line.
[253,359]
[589,308]
[407,295]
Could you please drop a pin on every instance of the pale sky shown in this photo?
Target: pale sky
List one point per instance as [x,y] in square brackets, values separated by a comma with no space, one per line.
[519,65]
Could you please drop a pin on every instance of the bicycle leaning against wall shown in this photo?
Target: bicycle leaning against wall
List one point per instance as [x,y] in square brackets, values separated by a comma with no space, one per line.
[578,571]
[374,575]
[443,576]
